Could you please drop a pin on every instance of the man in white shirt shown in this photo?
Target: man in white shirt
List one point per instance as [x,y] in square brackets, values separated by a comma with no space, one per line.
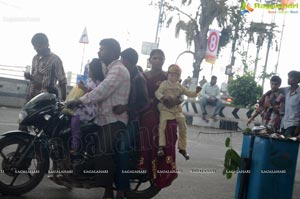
[210,94]
[290,122]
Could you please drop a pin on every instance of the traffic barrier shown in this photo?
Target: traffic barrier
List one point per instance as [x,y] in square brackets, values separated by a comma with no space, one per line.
[230,118]
[13,92]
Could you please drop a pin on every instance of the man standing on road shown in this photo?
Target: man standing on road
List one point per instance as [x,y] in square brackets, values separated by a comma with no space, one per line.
[291,119]
[47,69]
[210,94]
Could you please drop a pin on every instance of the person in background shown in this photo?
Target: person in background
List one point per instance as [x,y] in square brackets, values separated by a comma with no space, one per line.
[291,120]
[271,106]
[47,69]
[169,90]
[202,82]
[113,136]
[210,94]
[187,82]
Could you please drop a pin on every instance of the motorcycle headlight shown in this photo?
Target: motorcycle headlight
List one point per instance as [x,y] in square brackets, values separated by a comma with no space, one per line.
[22,116]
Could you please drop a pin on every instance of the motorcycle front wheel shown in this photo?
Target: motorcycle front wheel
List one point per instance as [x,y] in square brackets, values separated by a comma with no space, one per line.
[19,174]
[142,187]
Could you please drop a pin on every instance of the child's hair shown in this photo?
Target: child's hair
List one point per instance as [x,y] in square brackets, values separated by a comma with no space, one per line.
[95,70]
[174,68]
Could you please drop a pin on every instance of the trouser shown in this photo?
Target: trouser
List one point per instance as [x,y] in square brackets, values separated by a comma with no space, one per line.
[204,101]
[75,129]
[133,130]
[114,146]
[182,128]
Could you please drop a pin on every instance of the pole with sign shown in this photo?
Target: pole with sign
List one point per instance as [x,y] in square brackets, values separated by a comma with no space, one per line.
[212,46]
[84,40]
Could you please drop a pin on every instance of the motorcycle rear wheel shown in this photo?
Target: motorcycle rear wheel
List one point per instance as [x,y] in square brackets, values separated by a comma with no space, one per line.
[22,178]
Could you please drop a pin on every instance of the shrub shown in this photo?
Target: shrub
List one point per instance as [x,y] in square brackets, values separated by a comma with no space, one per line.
[244,90]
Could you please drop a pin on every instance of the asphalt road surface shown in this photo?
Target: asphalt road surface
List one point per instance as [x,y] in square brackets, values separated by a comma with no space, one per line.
[206,147]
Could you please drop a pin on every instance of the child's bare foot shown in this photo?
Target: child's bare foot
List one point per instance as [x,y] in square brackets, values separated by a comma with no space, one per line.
[160,152]
[184,154]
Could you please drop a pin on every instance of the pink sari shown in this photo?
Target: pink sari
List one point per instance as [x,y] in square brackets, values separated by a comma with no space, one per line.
[163,169]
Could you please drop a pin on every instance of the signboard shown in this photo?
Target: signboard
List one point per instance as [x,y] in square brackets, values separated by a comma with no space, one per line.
[212,46]
[147,47]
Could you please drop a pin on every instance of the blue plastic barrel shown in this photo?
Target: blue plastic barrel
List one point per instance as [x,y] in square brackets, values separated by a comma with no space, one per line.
[243,177]
[273,167]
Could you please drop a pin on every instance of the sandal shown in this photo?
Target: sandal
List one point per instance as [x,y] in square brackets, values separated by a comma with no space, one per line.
[184,154]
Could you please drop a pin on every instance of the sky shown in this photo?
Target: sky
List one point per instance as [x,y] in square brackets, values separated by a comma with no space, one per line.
[131,22]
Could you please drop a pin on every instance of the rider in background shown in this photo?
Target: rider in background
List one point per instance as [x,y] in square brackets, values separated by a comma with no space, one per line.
[138,97]
[149,129]
[86,112]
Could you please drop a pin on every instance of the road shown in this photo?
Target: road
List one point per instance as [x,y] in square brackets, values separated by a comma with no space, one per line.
[206,147]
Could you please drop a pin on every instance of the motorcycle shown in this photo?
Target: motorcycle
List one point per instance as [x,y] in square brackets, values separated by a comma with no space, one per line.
[25,157]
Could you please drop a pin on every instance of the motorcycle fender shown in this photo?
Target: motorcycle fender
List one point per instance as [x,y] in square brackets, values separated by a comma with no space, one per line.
[17,133]
[25,135]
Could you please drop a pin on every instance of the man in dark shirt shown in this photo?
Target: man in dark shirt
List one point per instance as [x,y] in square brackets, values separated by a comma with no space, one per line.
[137,101]
[138,97]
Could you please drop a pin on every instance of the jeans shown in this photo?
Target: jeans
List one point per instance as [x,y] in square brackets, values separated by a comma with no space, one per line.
[204,101]
[114,145]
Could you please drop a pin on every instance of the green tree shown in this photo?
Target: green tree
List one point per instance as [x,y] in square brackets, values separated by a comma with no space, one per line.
[244,90]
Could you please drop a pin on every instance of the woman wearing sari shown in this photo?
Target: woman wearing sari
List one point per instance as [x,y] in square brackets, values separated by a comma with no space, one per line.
[163,169]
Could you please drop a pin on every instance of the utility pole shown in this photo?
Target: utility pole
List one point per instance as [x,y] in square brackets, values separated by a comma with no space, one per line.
[279,50]
[266,61]
[270,38]
[259,43]
[159,22]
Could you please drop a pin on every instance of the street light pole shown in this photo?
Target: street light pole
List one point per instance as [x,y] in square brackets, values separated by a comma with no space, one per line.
[159,22]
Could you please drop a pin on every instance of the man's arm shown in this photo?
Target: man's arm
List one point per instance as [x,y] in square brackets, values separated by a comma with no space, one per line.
[188,92]
[61,77]
[218,93]
[203,91]
[259,108]
[63,91]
